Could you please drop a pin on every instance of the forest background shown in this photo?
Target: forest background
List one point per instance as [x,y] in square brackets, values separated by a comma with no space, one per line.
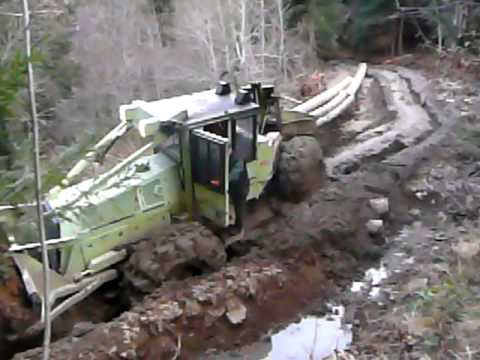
[91,56]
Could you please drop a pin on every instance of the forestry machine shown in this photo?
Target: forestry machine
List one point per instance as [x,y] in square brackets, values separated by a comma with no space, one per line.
[177,179]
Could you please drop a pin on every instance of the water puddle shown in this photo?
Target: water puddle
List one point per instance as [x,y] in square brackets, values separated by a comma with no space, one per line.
[312,338]
[318,337]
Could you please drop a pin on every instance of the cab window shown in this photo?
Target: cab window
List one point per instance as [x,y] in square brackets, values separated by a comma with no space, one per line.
[208,163]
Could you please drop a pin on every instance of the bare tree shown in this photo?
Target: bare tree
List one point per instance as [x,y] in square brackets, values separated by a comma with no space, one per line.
[247,35]
[120,48]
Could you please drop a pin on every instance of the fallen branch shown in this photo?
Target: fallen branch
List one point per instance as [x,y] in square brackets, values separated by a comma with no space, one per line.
[38,12]
[178,352]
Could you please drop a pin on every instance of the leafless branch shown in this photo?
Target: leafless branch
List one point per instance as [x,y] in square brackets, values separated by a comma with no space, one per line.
[38,12]
[178,351]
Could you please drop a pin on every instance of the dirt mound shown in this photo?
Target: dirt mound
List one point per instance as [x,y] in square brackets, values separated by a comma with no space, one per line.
[176,254]
[300,167]
[240,302]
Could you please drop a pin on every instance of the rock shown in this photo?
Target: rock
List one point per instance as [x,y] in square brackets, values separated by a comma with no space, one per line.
[442,217]
[82,328]
[421,194]
[420,325]
[217,311]
[203,293]
[252,286]
[466,249]
[440,236]
[129,355]
[375,226]
[155,328]
[415,213]
[380,206]
[416,285]
[171,311]
[192,308]
[236,311]
[468,327]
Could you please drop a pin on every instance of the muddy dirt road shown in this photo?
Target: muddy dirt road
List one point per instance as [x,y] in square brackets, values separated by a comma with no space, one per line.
[309,253]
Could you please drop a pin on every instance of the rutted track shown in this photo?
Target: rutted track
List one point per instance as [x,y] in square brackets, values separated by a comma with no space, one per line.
[302,256]
[414,121]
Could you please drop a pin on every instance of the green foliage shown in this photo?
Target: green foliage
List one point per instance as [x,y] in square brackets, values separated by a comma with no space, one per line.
[5,267]
[447,299]
[444,19]
[16,180]
[58,73]
[294,12]
[347,21]
[14,191]
[449,302]
[368,14]
[327,18]
[12,80]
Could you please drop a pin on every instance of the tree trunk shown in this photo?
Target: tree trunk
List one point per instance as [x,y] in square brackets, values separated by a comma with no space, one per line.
[282,62]
[262,17]
[400,35]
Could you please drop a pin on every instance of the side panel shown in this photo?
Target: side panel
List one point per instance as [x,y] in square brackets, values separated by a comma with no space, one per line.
[95,243]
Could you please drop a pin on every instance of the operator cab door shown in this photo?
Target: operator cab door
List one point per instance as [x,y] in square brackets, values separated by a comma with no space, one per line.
[210,173]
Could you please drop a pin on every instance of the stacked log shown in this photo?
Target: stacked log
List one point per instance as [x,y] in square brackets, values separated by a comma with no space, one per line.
[333,102]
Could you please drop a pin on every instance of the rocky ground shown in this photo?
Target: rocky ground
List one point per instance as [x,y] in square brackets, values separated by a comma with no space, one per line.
[411,141]
[427,307]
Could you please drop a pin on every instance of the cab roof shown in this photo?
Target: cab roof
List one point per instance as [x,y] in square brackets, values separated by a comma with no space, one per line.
[200,107]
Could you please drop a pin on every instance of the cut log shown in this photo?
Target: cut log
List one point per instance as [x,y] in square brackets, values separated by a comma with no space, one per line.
[358,79]
[331,105]
[336,112]
[343,100]
[324,97]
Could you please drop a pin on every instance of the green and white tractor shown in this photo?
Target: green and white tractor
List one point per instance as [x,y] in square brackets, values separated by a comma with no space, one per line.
[164,206]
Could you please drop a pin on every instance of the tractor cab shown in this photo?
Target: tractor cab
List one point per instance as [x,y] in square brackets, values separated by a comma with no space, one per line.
[203,132]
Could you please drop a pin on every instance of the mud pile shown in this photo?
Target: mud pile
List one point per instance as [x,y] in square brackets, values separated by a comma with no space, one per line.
[240,302]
